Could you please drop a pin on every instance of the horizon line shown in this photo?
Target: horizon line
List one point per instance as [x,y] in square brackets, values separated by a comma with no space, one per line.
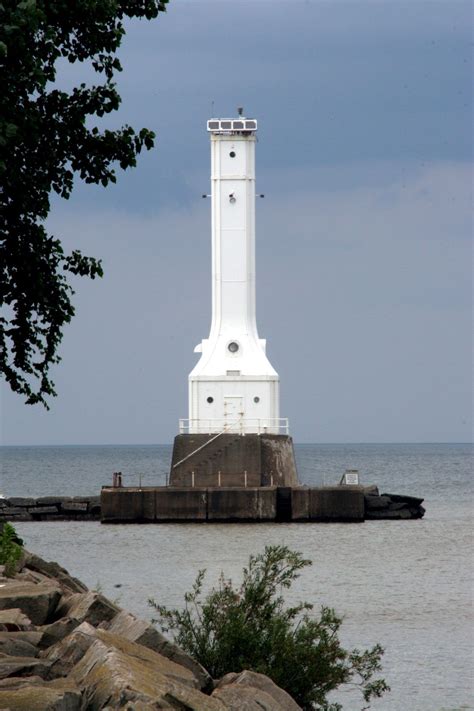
[169,444]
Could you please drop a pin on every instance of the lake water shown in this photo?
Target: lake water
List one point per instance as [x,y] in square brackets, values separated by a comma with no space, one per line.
[406,584]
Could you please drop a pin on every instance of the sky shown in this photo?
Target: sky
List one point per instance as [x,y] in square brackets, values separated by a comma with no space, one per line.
[364,255]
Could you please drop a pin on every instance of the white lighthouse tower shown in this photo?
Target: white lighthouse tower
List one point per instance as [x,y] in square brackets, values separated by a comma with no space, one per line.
[233,387]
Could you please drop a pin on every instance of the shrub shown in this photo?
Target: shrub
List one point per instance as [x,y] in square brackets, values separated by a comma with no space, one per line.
[249,627]
[10,550]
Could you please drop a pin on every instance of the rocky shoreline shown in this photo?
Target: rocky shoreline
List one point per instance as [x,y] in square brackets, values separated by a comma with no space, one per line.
[66,648]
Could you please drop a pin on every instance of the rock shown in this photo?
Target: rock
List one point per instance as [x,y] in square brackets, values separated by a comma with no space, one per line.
[38,601]
[89,607]
[16,647]
[53,570]
[409,500]
[34,694]
[65,654]
[56,631]
[74,507]
[23,666]
[13,619]
[418,511]
[387,514]
[33,637]
[114,673]
[374,503]
[249,690]
[21,501]
[129,627]
[42,510]
[51,500]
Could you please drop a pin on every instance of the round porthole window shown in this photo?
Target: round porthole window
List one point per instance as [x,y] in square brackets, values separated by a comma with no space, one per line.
[233,347]
[210,399]
[232,154]
[256,399]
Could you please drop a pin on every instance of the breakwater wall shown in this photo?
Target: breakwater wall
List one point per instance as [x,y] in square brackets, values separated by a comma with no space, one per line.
[352,504]
[50,508]
[297,504]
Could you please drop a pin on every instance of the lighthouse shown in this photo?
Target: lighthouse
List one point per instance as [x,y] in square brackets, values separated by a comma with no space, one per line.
[233,435]
[233,386]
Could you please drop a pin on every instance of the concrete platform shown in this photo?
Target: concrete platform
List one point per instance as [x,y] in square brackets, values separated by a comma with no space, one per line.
[232,504]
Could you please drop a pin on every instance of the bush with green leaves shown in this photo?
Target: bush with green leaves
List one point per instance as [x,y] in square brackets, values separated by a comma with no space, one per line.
[10,549]
[249,627]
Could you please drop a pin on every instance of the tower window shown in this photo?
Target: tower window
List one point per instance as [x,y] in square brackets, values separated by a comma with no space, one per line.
[210,399]
[232,154]
[233,347]
[256,399]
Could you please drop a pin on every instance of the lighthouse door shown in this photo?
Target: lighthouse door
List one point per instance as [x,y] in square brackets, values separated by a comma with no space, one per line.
[234,413]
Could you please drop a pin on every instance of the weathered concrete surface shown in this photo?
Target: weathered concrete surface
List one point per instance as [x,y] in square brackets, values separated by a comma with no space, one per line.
[300,503]
[233,460]
[336,503]
[278,461]
[121,504]
[230,454]
[180,504]
[251,504]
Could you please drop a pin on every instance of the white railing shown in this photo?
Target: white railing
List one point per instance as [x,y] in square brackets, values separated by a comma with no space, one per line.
[245,425]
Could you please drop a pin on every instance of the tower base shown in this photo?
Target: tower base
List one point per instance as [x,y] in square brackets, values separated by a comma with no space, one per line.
[233,460]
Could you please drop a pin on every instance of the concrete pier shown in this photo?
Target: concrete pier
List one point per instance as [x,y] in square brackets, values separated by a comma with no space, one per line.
[239,504]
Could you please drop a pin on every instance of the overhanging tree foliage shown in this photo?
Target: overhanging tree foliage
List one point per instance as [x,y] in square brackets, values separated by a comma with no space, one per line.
[249,627]
[45,141]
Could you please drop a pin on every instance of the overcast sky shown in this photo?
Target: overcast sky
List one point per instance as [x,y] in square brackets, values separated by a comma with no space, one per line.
[363,239]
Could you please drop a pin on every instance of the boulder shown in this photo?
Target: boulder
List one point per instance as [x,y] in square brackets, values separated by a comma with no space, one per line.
[409,500]
[16,647]
[34,694]
[13,619]
[53,570]
[114,673]
[33,637]
[37,601]
[65,654]
[250,691]
[388,515]
[129,627]
[23,666]
[375,503]
[56,631]
[89,607]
